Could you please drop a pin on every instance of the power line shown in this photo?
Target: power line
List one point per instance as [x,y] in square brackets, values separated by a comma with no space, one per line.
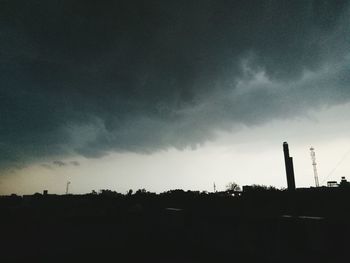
[336,166]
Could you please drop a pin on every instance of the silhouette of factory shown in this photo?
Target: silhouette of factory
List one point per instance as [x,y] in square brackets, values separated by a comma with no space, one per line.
[254,225]
[289,167]
[288,160]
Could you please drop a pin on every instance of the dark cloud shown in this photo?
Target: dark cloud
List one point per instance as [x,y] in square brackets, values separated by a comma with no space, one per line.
[58,163]
[87,77]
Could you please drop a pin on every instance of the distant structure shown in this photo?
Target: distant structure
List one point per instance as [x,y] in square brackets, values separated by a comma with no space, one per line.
[214,188]
[289,167]
[344,182]
[67,187]
[332,184]
[313,158]
[45,192]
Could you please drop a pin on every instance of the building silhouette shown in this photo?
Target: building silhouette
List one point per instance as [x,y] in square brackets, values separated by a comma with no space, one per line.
[289,167]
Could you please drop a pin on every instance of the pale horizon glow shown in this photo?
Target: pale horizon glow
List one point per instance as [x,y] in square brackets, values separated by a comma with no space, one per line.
[249,155]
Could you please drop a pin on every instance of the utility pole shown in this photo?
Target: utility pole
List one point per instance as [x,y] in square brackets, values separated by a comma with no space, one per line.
[313,158]
[214,188]
[67,187]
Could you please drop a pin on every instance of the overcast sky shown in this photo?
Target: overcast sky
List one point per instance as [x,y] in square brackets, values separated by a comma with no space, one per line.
[171,94]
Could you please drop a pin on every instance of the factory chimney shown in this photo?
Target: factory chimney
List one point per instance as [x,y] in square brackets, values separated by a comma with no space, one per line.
[289,167]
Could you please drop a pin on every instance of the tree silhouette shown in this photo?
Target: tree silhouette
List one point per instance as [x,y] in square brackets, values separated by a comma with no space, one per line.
[232,186]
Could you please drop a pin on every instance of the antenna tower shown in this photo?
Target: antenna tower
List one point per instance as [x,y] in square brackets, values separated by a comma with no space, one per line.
[67,187]
[313,158]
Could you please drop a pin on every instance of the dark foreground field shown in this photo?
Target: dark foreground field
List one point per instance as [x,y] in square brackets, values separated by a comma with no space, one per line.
[311,225]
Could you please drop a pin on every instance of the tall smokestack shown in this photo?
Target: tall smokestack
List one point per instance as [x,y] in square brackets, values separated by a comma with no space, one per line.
[289,167]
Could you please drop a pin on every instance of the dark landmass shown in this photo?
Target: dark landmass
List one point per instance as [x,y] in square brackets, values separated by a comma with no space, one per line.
[256,225]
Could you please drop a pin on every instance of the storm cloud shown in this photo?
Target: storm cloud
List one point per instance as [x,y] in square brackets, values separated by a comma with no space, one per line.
[92,77]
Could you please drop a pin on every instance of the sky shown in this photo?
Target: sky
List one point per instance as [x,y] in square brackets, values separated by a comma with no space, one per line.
[171,94]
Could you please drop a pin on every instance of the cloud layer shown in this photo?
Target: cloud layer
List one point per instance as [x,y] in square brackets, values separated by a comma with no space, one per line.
[88,78]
